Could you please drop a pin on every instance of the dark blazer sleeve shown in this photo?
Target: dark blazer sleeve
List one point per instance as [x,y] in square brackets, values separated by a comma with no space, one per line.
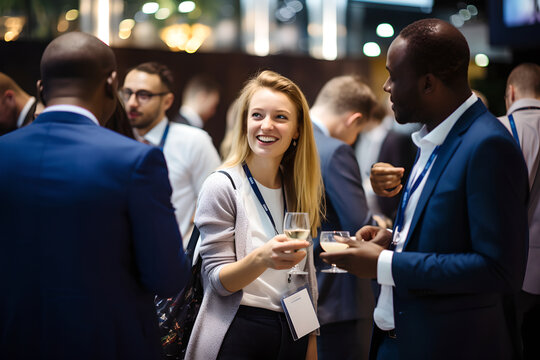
[343,185]
[485,214]
[160,259]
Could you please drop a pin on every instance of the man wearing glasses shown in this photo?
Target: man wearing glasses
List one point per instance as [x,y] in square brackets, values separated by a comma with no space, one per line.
[189,151]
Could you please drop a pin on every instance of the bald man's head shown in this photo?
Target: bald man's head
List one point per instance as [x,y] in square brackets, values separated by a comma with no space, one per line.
[75,62]
[79,67]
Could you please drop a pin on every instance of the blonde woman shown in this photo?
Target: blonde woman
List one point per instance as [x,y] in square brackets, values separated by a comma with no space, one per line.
[245,255]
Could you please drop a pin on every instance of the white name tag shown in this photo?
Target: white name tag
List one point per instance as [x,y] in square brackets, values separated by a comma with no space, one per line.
[300,313]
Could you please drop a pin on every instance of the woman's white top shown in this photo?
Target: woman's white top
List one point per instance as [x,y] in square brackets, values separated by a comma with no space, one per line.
[267,290]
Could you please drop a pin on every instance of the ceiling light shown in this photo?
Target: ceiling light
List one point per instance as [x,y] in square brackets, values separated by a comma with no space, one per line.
[385,30]
[372,49]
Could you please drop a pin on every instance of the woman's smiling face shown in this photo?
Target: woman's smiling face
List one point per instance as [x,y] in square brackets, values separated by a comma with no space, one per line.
[272,123]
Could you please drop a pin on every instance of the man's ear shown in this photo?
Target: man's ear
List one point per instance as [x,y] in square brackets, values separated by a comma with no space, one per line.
[354,118]
[9,96]
[168,100]
[510,96]
[39,92]
[111,85]
[429,83]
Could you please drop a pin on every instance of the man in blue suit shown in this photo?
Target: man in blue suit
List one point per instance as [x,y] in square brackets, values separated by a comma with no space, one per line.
[88,233]
[345,306]
[459,244]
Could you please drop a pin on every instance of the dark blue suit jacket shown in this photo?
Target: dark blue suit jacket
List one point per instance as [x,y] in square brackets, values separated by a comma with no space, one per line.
[88,236]
[466,248]
[342,297]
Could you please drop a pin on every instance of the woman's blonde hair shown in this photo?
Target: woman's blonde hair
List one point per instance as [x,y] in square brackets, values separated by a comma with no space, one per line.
[304,188]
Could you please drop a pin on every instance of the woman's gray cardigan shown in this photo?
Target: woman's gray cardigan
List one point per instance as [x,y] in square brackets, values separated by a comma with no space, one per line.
[221,217]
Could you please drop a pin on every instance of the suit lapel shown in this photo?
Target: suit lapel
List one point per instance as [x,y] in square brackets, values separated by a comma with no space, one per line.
[447,150]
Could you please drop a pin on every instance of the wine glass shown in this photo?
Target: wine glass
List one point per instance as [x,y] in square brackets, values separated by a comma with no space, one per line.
[296,226]
[330,243]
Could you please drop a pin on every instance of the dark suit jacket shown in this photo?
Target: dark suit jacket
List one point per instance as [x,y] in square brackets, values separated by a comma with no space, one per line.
[399,150]
[342,297]
[179,118]
[88,237]
[466,247]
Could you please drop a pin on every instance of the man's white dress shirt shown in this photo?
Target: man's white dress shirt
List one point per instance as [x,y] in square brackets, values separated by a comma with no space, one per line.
[191,157]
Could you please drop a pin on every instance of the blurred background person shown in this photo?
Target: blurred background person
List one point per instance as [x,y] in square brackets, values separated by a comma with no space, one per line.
[88,231]
[245,255]
[119,121]
[523,121]
[388,143]
[16,106]
[189,151]
[341,111]
[231,118]
[200,99]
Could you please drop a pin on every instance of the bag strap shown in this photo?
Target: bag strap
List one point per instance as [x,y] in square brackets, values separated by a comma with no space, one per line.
[195,234]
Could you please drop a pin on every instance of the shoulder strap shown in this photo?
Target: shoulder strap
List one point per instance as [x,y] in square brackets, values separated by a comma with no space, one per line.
[195,234]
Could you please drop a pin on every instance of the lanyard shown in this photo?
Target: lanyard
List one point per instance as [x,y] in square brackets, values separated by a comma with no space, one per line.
[164,136]
[409,190]
[513,123]
[260,197]
[514,130]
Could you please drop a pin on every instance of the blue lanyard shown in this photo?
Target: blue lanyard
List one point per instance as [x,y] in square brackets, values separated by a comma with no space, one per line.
[164,136]
[260,197]
[410,190]
[513,126]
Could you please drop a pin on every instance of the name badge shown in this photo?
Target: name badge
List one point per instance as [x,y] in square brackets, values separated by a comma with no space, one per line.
[300,313]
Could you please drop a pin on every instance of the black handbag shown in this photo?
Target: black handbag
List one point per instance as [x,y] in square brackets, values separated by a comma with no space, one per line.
[177,315]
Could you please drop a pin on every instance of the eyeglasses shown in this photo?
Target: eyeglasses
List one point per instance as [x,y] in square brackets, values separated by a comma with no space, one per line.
[142,96]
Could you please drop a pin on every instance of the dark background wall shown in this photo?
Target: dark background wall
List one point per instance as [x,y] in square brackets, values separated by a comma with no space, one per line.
[20,60]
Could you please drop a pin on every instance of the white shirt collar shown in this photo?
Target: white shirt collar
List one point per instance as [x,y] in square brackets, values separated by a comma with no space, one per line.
[74,109]
[441,131]
[525,102]
[191,115]
[24,111]
[321,126]
[155,134]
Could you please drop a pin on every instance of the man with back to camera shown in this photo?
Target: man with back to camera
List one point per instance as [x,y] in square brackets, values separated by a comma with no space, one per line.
[341,111]
[189,151]
[460,237]
[16,106]
[88,230]
[523,121]
[200,99]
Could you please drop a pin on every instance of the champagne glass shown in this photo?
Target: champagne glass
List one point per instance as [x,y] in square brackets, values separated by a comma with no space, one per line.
[296,226]
[330,243]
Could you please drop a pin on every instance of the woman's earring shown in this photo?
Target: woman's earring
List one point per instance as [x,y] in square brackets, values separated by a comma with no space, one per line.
[294,142]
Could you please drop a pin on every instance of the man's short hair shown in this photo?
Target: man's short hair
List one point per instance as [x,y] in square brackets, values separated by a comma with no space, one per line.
[444,55]
[347,93]
[161,70]
[198,83]
[526,78]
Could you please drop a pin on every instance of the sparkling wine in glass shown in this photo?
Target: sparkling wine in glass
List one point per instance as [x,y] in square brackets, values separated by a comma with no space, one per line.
[329,243]
[296,226]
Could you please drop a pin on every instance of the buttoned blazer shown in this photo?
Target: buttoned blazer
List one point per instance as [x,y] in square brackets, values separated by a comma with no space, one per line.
[466,248]
[88,237]
[342,297]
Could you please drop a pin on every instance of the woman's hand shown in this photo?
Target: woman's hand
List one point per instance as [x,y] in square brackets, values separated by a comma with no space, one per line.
[281,252]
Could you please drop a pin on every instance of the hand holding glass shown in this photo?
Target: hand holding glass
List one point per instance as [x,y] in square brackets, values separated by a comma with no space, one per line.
[330,243]
[296,226]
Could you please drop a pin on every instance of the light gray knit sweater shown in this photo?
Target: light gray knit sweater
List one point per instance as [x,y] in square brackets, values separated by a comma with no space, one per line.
[223,223]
